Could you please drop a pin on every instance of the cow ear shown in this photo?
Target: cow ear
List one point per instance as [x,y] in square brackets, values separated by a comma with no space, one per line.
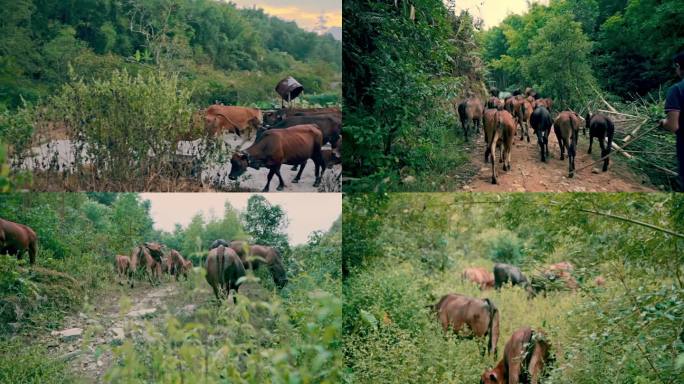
[492,377]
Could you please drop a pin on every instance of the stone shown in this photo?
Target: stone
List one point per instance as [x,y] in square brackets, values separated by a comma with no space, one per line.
[141,312]
[409,180]
[68,334]
[595,170]
[117,333]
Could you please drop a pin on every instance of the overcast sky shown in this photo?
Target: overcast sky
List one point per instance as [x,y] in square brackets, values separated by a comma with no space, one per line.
[494,11]
[305,12]
[307,212]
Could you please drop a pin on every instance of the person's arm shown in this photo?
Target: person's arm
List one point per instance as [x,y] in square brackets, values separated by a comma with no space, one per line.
[671,122]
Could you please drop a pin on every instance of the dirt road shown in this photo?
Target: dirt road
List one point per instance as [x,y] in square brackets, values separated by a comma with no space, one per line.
[529,174]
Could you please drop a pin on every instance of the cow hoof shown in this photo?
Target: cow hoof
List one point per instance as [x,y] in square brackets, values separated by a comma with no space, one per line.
[280,188]
[294,168]
[264,190]
[570,175]
[494,181]
[295,181]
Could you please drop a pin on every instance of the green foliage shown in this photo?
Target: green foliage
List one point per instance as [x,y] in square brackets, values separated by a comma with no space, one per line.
[625,332]
[198,39]
[400,74]
[504,247]
[266,223]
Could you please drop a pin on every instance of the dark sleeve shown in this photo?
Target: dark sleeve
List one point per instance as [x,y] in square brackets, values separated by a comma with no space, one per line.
[674,101]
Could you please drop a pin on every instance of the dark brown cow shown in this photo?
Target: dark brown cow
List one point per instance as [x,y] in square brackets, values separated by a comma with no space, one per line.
[224,269]
[526,355]
[15,239]
[238,120]
[566,127]
[141,258]
[501,126]
[601,127]
[254,255]
[455,311]
[480,276]
[330,126]
[123,266]
[541,123]
[274,117]
[293,146]
[470,111]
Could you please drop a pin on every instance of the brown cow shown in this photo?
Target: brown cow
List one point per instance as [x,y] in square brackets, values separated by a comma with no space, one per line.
[526,355]
[141,258]
[515,105]
[175,263]
[600,281]
[495,103]
[480,315]
[566,127]
[15,239]
[470,111]
[219,118]
[254,255]
[500,127]
[224,269]
[294,145]
[479,276]
[528,108]
[546,280]
[123,266]
[530,92]
[330,126]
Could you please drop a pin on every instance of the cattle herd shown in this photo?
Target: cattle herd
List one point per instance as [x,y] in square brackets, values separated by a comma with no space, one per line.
[503,116]
[528,351]
[289,136]
[225,263]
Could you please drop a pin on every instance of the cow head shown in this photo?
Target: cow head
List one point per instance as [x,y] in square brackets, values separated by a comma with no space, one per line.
[491,377]
[238,164]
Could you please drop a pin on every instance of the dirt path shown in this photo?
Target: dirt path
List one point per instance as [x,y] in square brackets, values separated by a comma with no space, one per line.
[87,339]
[529,174]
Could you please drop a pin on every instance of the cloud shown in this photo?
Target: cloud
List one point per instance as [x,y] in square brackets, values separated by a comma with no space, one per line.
[307,14]
[494,11]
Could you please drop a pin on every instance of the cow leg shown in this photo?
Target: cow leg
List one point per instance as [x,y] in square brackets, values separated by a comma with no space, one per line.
[465,129]
[492,151]
[319,169]
[281,185]
[562,148]
[294,167]
[605,150]
[299,174]
[571,160]
[271,172]
[591,142]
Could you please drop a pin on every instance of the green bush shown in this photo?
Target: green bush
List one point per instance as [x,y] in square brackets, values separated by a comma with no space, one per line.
[505,247]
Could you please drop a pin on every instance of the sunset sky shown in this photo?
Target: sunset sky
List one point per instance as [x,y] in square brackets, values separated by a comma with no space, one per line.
[305,12]
[494,11]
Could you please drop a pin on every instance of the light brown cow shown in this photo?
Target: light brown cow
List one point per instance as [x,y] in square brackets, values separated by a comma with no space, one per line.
[123,266]
[526,354]
[479,276]
[499,126]
[254,255]
[175,263]
[234,119]
[566,127]
[470,112]
[515,105]
[456,311]
[142,259]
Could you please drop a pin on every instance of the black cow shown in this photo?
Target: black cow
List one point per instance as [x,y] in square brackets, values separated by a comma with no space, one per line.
[504,273]
[601,127]
[541,122]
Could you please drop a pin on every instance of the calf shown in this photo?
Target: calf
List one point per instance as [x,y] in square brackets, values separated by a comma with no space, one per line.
[526,355]
[479,276]
[566,128]
[470,111]
[601,127]
[293,146]
[501,126]
[455,311]
[541,122]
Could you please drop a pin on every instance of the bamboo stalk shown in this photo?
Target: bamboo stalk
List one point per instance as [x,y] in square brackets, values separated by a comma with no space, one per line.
[622,151]
[618,113]
[604,100]
[626,138]
[628,220]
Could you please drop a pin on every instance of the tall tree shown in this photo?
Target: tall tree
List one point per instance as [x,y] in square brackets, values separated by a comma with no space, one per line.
[266,223]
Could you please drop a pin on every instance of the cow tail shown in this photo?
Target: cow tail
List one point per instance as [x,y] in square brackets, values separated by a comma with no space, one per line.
[220,263]
[492,310]
[610,133]
[572,144]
